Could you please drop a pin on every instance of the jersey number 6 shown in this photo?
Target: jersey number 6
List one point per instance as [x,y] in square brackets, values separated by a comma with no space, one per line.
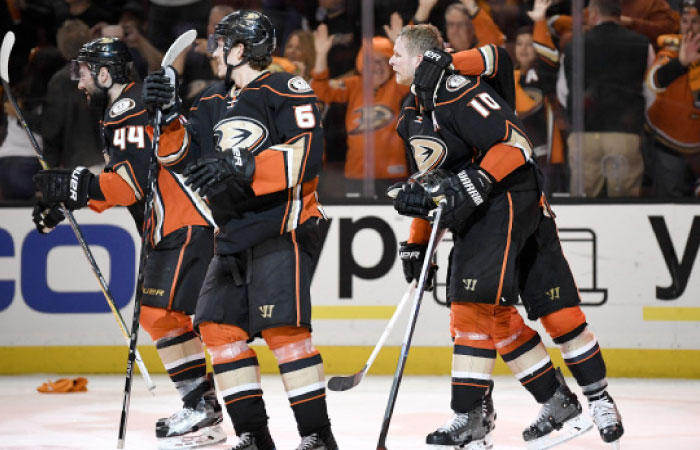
[304,116]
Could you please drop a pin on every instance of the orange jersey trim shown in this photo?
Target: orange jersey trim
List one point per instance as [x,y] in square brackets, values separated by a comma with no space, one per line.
[115,189]
[420,231]
[505,254]
[501,160]
[143,111]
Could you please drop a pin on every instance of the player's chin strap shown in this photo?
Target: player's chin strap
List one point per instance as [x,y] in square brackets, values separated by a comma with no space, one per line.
[229,70]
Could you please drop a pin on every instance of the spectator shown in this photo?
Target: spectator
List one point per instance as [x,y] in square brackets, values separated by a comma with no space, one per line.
[301,52]
[390,163]
[197,67]
[535,88]
[651,18]
[674,116]
[466,24]
[614,105]
[168,19]
[87,12]
[133,24]
[18,162]
[70,127]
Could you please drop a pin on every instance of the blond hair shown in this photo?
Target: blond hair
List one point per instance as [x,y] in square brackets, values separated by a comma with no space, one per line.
[420,38]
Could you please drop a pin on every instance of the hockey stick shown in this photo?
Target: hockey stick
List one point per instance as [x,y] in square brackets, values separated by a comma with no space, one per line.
[181,43]
[435,236]
[343,383]
[7,44]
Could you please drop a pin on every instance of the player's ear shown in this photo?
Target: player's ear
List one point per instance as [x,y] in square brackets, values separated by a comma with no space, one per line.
[104,77]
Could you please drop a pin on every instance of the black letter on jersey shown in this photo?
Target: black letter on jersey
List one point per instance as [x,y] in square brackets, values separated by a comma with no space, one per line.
[679,272]
[348,265]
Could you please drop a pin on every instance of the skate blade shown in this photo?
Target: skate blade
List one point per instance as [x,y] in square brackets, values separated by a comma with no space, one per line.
[615,445]
[569,430]
[484,444]
[205,436]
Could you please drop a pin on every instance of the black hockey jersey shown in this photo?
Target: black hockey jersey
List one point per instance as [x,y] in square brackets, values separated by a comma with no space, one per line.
[471,124]
[276,117]
[124,181]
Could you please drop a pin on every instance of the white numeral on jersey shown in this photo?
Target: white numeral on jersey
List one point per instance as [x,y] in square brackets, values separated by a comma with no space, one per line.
[129,135]
[487,100]
[305,116]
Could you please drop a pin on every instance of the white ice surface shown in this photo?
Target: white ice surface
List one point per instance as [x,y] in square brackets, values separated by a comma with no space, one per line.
[657,414]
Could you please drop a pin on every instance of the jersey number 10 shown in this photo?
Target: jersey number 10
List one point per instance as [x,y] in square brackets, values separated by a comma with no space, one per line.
[487,100]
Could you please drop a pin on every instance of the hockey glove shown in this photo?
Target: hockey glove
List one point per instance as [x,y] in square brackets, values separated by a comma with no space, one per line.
[412,256]
[411,199]
[463,193]
[212,175]
[428,74]
[160,91]
[69,186]
[46,216]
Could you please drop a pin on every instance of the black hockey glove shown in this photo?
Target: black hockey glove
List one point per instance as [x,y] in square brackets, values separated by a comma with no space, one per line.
[412,256]
[212,175]
[463,193]
[411,199]
[69,186]
[428,75]
[160,91]
[46,216]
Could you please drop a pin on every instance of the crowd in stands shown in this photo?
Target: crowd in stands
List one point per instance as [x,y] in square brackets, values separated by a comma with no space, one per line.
[640,99]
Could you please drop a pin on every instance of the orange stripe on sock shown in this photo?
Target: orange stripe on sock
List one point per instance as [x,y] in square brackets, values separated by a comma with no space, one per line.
[188,368]
[585,359]
[243,398]
[469,384]
[307,400]
[533,379]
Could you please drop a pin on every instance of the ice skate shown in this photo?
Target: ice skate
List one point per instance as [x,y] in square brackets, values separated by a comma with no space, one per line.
[259,440]
[607,418]
[559,420]
[193,426]
[322,440]
[466,431]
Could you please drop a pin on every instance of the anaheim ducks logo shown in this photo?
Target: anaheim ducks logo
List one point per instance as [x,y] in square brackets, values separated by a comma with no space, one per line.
[239,132]
[428,152]
[456,82]
[382,115]
[298,85]
[121,106]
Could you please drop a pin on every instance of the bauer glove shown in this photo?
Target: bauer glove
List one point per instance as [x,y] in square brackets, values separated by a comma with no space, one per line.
[68,186]
[46,216]
[160,91]
[462,192]
[412,256]
[232,167]
[426,80]
[411,199]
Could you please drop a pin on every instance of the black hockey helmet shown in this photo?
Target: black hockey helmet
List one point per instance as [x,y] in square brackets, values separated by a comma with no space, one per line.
[250,28]
[104,52]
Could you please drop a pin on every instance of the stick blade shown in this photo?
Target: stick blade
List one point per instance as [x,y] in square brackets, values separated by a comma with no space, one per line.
[343,383]
[181,43]
[7,43]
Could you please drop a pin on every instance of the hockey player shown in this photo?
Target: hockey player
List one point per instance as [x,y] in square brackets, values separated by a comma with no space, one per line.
[180,234]
[548,288]
[253,146]
[470,150]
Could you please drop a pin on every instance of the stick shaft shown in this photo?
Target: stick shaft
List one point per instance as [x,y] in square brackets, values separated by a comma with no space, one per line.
[435,236]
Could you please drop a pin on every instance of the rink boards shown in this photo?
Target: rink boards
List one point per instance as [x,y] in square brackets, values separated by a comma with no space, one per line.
[636,266]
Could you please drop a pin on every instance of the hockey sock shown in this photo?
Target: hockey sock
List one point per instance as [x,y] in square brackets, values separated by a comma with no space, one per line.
[529,361]
[237,374]
[579,348]
[301,368]
[471,374]
[179,348]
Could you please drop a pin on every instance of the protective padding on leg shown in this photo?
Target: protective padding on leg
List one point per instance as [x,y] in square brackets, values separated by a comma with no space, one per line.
[563,321]
[225,343]
[162,323]
[470,325]
[289,343]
